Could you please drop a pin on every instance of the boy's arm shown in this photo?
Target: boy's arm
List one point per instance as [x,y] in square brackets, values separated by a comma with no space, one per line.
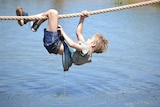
[80,26]
[70,42]
[79,29]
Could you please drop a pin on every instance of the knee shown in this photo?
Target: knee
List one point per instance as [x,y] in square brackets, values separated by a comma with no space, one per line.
[53,12]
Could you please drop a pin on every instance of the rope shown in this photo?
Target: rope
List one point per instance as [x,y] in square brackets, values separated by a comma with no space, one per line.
[79,14]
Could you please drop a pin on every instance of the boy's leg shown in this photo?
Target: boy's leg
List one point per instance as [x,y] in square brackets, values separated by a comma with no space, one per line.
[36,24]
[52,20]
[51,38]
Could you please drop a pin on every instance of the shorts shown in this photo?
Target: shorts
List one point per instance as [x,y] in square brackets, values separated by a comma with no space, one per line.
[52,41]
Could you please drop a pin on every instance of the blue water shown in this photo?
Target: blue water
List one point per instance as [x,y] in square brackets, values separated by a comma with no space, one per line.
[127,75]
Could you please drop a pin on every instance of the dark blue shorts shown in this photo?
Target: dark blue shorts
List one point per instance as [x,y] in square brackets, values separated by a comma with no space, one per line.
[52,41]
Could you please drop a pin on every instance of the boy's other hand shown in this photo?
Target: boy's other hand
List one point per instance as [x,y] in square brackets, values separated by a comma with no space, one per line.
[85,14]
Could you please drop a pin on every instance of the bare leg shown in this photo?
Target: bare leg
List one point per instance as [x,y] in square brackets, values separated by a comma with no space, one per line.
[52,20]
[52,24]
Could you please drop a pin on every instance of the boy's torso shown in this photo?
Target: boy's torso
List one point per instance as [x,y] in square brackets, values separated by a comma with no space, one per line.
[81,57]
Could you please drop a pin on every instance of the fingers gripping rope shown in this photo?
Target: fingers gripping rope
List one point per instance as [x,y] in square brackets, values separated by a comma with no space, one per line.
[79,14]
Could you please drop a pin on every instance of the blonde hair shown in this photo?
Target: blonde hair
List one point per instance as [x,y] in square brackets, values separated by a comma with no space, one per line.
[101,43]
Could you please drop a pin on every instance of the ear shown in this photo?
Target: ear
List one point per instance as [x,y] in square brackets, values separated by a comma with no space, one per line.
[93,44]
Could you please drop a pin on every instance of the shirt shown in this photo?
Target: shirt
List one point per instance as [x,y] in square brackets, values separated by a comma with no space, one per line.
[82,57]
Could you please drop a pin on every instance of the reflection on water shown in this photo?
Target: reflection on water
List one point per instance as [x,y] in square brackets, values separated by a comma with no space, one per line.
[127,75]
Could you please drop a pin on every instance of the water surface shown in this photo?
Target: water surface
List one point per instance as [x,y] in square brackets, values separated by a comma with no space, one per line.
[127,75]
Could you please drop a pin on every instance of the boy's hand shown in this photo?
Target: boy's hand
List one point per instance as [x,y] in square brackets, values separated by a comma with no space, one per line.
[85,14]
[60,29]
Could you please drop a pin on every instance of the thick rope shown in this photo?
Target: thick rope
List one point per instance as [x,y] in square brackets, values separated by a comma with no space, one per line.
[79,14]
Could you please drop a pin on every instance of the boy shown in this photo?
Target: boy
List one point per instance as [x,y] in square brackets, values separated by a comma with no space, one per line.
[53,41]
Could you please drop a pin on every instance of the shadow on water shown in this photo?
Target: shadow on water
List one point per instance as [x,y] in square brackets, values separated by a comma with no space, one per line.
[127,75]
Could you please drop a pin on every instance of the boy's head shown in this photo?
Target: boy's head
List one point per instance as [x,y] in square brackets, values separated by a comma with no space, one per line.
[99,44]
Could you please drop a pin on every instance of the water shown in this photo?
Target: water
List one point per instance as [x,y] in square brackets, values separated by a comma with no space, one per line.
[127,75]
